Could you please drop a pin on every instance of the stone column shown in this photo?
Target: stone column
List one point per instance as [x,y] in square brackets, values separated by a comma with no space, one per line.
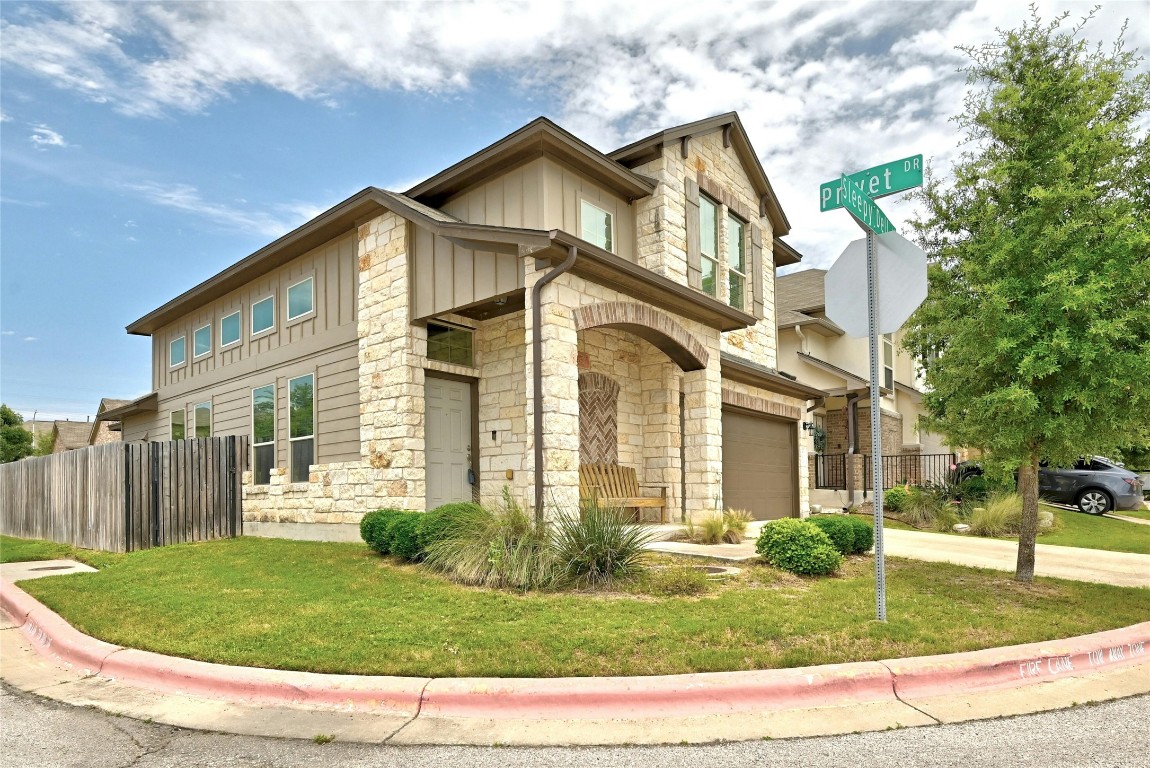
[560,379]
[661,438]
[391,397]
[703,436]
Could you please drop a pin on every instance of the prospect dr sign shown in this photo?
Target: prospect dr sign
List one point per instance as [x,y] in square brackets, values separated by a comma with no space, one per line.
[880,181]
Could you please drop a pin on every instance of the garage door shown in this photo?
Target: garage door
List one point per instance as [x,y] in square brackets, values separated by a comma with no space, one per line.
[759,465]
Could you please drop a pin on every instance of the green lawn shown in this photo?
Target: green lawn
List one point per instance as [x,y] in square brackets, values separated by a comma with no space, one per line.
[340,608]
[13,550]
[1143,514]
[1077,529]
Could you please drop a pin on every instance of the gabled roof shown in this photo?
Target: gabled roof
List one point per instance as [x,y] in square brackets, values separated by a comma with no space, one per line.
[72,434]
[538,138]
[801,291]
[644,150]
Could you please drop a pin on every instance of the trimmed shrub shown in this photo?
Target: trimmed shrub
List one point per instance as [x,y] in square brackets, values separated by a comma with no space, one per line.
[401,535]
[373,529]
[895,499]
[849,535]
[598,546]
[798,546]
[436,525]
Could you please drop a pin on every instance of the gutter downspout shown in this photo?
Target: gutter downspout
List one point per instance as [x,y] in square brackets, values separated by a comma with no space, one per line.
[537,370]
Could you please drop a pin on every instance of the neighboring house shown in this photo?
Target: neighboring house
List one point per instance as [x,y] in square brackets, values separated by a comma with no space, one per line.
[384,353]
[821,355]
[106,430]
[70,435]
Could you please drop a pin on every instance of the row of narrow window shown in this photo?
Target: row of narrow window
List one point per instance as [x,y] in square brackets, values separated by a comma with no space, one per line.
[301,302]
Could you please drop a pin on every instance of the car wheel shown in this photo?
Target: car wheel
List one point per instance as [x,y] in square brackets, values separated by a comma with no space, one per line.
[1095,502]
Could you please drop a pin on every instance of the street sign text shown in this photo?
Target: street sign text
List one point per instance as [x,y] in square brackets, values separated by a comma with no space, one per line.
[882,180]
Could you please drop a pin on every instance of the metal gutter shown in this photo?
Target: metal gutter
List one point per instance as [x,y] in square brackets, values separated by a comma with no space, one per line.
[537,369]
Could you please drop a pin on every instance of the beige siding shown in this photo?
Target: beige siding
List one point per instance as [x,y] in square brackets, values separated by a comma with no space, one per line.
[510,200]
[337,405]
[446,276]
[335,271]
[563,188]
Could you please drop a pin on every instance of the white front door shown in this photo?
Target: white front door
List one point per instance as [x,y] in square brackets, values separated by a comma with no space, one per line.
[448,437]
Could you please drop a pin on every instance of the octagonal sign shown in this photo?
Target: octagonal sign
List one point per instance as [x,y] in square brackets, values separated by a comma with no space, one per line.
[901,285]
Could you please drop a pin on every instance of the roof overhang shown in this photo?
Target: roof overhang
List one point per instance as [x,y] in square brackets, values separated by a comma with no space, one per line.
[608,269]
[852,381]
[651,147]
[146,404]
[539,138]
[819,325]
[744,371]
[785,255]
[914,394]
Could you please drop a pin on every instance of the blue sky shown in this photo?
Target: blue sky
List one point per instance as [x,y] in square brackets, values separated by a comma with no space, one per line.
[145,146]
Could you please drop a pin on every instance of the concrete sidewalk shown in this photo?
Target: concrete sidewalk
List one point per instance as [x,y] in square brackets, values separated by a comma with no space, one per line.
[42,654]
[1121,569]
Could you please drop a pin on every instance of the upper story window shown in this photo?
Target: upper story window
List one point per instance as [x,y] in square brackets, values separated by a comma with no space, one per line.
[736,261]
[450,344]
[202,341]
[301,299]
[177,352]
[596,225]
[230,329]
[888,361]
[709,243]
[263,315]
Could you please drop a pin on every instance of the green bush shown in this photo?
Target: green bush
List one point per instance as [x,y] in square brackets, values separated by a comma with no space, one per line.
[975,488]
[373,529]
[401,533]
[436,525]
[598,546]
[849,535]
[895,499]
[798,546]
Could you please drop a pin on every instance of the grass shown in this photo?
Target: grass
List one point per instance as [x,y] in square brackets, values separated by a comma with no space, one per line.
[1077,529]
[340,608]
[13,550]
[1143,514]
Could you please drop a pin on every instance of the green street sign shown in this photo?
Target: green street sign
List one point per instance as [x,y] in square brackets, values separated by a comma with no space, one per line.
[865,210]
[882,180]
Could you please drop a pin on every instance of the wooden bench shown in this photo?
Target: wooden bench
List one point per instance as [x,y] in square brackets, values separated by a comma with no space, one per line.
[611,485]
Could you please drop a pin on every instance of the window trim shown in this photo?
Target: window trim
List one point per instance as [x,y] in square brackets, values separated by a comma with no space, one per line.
[197,407]
[240,337]
[184,360]
[291,319]
[196,331]
[183,423]
[745,225]
[585,200]
[271,328]
[314,420]
[271,442]
[888,343]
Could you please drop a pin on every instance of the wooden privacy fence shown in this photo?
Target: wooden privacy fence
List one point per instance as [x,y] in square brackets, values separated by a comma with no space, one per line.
[122,497]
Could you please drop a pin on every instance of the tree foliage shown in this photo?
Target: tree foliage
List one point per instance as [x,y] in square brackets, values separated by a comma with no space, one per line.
[15,441]
[1040,259]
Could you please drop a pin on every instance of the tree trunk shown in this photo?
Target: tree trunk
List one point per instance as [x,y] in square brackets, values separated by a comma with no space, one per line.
[1028,530]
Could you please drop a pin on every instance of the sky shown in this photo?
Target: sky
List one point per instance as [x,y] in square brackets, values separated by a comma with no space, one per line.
[146,146]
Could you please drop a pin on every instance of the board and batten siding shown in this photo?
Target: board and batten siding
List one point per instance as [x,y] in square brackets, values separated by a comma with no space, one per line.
[512,199]
[445,276]
[335,270]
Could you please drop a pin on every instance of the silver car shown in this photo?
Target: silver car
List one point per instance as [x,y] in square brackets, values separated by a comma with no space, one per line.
[1095,485]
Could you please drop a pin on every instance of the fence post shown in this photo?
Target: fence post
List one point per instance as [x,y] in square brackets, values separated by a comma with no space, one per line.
[154,512]
[127,497]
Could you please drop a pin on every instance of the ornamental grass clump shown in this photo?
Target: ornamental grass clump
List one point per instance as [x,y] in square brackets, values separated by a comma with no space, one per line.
[437,525]
[598,546]
[735,521]
[1001,515]
[798,546]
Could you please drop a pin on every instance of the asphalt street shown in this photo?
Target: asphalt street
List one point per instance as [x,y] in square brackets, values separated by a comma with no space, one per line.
[40,733]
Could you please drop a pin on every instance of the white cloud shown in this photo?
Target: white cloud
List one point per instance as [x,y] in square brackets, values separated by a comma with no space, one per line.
[7,333]
[185,197]
[821,87]
[4,118]
[31,338]
[43,136]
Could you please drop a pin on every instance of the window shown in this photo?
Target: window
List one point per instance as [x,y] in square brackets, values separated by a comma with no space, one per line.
[709,243]
[176,421]
[202,341]
[230,329]
[204,420]
[888,361]
[301,426]
[736,261]
[263,315]
[449,344]
[177,352]
[596,225]
[301,299]
[263,433]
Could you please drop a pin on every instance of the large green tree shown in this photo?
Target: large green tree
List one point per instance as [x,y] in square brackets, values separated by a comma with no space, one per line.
[1037,326]
[15,441]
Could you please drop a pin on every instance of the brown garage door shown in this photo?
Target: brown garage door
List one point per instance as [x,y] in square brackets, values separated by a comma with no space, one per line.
[759,465]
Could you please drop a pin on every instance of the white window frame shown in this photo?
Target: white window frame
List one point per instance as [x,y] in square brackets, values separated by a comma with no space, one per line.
[240,337]
[272,442]
[587,202]
[314,419]
[171,424]
[252,316]
[197,407]
[184,359]
[731,264]
[888,343]
[196,356]
[287,300]
[715,259]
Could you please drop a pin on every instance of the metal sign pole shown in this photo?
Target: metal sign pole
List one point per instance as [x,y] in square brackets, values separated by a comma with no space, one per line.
[875,425]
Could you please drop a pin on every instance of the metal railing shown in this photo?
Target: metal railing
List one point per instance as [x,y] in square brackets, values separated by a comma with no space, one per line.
[911,469]
[831,471]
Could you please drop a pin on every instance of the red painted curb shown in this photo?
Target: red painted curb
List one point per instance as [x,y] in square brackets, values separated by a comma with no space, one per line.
[1020,665]
[16,602]
[51,635]
[172,674]
[658,696]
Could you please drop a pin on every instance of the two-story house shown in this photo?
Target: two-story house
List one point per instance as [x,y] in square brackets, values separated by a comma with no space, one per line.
[534,307]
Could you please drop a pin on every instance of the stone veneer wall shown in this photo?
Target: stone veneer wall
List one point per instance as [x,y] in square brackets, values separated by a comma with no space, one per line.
[501,354]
